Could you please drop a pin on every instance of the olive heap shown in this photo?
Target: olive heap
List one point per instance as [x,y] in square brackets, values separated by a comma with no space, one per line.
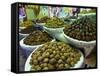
[54,56]
[43,19]
[37,38]
[27,23]
[55,22]
[83,29]
[28,30]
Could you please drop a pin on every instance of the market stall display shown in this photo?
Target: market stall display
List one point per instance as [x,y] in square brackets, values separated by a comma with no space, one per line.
[57,38]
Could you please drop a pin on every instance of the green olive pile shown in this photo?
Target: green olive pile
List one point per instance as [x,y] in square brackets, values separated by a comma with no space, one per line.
[27,23]
[55,22]
[82,29]
[28,30]
[42,20]
[54,56]
[37,38]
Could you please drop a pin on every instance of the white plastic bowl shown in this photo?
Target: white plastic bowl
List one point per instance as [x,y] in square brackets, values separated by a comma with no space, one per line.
[54,30]
[78,65]
[24,35]
[88,46]
[40,23]
[21,35]
[29,47]
[22,28]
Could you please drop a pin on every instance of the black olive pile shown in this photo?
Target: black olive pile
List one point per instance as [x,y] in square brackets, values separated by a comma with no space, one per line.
[37,38]
[54,56]
[55,22]
[82,29]
[28,30]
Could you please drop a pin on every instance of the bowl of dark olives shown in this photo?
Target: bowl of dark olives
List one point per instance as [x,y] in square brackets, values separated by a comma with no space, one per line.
[35,39]
[81,33]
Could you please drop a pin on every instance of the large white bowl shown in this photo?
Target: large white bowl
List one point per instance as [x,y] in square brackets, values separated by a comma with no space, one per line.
[53,31]
[88,46]
[78,65]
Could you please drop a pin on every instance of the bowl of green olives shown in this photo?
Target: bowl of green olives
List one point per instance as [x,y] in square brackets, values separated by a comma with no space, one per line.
[54,25]
[35,39]
[54,56]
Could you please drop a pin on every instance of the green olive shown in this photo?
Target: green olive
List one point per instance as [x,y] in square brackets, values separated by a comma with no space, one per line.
[63,57]
[35,62]
[72,63]
[40,58]
[38,67]
[67,66]
[60,61]
[50,66]
[57,56]
[45,68]
[61,66]
[46,60]
[52,61]
[51,56]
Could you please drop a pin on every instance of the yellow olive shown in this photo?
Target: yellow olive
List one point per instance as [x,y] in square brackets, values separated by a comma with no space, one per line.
[57,56]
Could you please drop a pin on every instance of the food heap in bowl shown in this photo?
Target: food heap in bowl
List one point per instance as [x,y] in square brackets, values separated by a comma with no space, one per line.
[37,38]
[55,56]
[55,22]
[83,29]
